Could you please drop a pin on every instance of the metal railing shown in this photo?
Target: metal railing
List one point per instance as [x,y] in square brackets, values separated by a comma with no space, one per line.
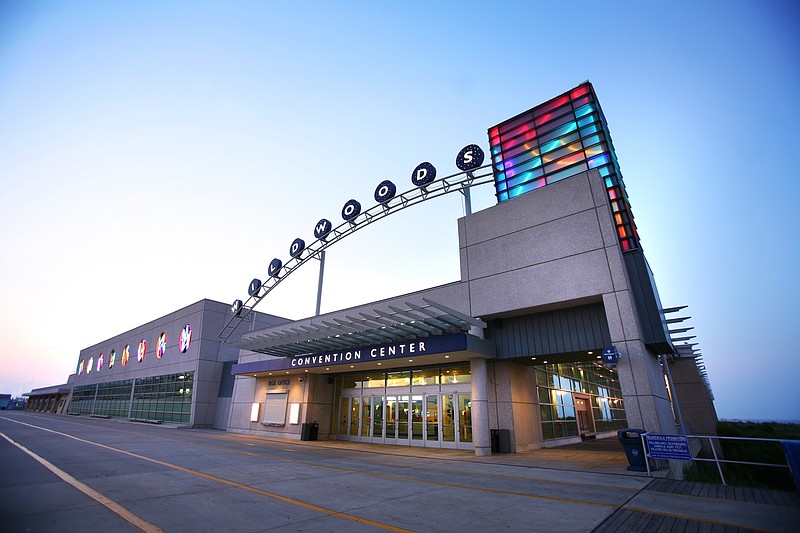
[714,446]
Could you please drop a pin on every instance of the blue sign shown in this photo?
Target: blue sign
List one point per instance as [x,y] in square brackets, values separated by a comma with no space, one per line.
[351,210]
[274,266]
[408,348]
[385,191]
[322,228]
[254,287]
[610,355]
[668,447]
[470,157]
[423,174]
[297,247]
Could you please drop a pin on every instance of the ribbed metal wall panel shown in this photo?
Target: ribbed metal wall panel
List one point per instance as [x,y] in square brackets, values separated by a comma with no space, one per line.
[574,329]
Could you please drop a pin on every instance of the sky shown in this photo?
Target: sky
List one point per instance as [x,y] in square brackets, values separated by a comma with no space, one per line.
[153,154]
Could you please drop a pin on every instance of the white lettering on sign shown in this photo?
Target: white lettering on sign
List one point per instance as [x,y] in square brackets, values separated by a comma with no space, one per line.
[402,349]
[338,357]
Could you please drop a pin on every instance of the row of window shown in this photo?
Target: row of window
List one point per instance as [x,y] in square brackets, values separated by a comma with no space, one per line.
[578,398]
[406,378]
[167,398]
[87,365]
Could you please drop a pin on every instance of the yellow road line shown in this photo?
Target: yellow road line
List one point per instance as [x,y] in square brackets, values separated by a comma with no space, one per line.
[360,472]
[284,499]
[424,467]
[441,484]
[93,494]
[236,437]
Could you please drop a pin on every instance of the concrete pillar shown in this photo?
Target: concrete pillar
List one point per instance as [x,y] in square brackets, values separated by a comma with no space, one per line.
[481,438]
[644,390]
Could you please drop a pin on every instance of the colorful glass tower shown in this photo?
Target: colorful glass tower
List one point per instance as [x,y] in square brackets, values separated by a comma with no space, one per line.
[555,140]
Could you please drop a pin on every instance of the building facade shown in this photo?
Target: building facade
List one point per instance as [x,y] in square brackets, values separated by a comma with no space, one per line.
[554,332]
[174,369]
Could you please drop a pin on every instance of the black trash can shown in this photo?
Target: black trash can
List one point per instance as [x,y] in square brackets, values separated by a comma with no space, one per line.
[495,436]
[501,440]
[631,440]
[504,441]
[309,431]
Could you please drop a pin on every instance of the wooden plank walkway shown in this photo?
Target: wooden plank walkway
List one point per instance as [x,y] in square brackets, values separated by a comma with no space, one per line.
[632,520]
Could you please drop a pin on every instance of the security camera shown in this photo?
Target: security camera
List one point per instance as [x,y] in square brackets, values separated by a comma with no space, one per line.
[300,380]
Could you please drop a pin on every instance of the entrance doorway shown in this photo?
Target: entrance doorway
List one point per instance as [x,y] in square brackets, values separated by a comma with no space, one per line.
[430,419]
[583,412]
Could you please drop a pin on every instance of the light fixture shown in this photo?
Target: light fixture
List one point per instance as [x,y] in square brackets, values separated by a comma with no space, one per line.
[447,357]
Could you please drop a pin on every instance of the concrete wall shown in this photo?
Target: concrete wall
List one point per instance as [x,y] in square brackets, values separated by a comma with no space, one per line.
[514,404]
[313,391]
[694,398]
[552,248]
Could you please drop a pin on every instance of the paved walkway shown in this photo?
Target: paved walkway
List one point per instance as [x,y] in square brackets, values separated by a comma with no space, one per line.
[664,505]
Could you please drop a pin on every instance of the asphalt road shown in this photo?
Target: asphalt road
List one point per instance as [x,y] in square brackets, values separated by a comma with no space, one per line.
[62,473]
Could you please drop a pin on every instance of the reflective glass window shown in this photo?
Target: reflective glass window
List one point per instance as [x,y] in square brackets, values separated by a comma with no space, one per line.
[425,376]
[398,379]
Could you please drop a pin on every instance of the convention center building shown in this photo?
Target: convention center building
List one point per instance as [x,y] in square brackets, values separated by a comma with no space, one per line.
[553,334]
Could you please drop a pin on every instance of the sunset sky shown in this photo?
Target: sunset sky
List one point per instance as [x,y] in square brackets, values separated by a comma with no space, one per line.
[156,153]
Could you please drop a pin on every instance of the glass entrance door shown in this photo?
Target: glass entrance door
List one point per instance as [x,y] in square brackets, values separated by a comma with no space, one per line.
[391,419]
[354,416]
[464,418]
[344,418]
[402,419]
[584,414]
[377,419]
[448,421]
[456,421]
[432,417]
[417,420]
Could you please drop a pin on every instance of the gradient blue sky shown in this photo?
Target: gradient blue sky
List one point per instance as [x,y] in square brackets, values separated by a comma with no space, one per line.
[156,153]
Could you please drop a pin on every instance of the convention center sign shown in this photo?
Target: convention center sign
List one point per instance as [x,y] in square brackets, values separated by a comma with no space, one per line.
[436,344]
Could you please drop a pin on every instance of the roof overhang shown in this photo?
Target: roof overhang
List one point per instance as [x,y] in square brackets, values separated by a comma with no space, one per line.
[414,320]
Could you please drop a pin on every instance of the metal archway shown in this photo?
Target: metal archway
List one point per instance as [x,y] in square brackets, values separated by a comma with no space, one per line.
[459,182]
